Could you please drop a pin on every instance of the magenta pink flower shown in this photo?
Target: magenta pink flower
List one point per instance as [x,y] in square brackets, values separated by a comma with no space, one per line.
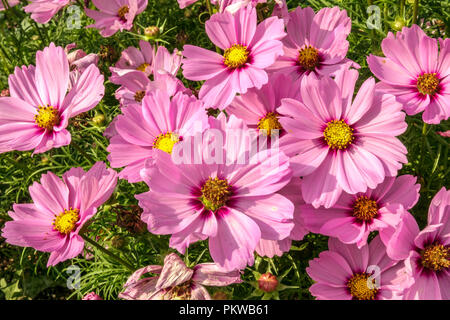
[415,73]
[41,104]
[11,3]
[353,217]
[345,272]
[258,107]
[92,296]
[270,248]
[315,43]
[248,50]
[426,253]
[43,10]
[337,144]
[175,281]
[234,205]
[115,15]
[159,123]
[79,61]
[53,221]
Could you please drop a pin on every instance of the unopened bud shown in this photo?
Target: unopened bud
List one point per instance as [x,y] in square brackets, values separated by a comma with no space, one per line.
[152,32]
[267,282]
[98,120]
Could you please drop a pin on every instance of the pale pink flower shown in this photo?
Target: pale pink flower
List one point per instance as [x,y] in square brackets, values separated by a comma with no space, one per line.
[79,61]
[60,208]
[353,217]
[271,248]
[115,15]
[43,10]
[248,50]
[415,72]
[339,143]
[345,272]
[92,296]
[315,43]
[159,123]
[234,205]
[426,253]
[445,134]
[41,104]
[175,281]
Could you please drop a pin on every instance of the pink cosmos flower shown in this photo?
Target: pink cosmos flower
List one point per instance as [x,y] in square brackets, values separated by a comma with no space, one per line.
[271,248]
[159,123]
[53,221]
[337,144]
[92,296]
[353,217]
[315,43]
[79,61]
[445,134]
[426,253]
[234,205]
[115,15]
[345,272]
[248,50]
[11,3]
[184,3]
[258,107]
[43,10]
[415,73]
[175,281]
[42,106]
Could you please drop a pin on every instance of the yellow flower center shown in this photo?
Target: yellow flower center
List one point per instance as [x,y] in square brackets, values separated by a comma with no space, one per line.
[359,288]
[236,56]
[122,12]
[436,257]
[215,193]
[47,117]
[269,122]
[166,141]
[65,222]
[139,96]
[365,209]
[308,58]
[143,66]
[338,134]
[428,83]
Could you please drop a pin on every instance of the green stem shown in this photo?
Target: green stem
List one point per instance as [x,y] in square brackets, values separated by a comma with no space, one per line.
[415,11]
[402,8]
[106,251]
[79,149]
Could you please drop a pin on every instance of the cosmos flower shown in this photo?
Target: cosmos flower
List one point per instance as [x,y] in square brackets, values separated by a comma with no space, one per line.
[345,272]
[42,106]
[248,50]
[271,248]
[415,72]
[79,61]
[336,144]
[43,10]
[92,296]
[315,43]
[233,204]
[353,217]
[60,208]
[159,123]
[115,15]
[11,3]
[258,107]
[426,253]
[175,281]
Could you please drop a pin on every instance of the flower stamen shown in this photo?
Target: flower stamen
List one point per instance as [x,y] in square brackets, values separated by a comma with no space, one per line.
[166,141]
[65,222]
[308,58]
[338,134]
[361,288]
[428,83]
[436,257]
[268,123]
[236,56]
[365,209]
[215,193]
[122,12]
[139,95]
[47,117]
[143,67]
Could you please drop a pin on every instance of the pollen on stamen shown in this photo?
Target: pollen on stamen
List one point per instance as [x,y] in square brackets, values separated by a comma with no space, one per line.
[365,209]
[436,257]
[309,58]
[361,287]
[338,135]
[143,67]
[215,193]
[428,83]
[47,117]
[66,221]
[268,123]
[166,141]
[122,12]
[139,95]
[236,56]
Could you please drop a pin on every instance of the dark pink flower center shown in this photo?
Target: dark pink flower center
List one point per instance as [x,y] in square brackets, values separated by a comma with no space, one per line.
[215,193]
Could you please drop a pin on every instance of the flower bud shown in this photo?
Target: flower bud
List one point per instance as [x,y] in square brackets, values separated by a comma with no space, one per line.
[398,24]
[267,282]
[152,32]
[98,120]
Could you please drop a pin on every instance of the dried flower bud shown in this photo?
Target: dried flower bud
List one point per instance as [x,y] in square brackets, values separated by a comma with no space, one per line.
[267,282]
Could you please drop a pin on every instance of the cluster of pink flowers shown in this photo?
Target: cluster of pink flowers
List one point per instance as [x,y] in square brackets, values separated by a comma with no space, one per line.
[297,150]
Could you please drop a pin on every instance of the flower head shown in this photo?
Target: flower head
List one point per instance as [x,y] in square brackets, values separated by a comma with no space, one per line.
[175,281]
[43,10]
[419,79]
[248,50]
[60,208]
[41,104]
